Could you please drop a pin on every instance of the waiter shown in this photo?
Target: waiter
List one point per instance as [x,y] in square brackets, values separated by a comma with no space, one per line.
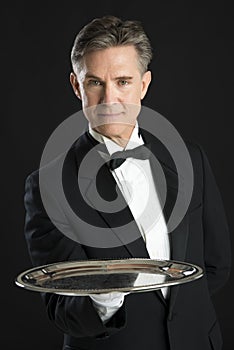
[110,76]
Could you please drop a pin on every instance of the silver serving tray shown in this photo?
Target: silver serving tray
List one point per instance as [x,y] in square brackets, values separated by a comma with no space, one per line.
[104,276]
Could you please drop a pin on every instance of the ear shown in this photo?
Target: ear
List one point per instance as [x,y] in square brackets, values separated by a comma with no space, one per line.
[75,84]
[146,79]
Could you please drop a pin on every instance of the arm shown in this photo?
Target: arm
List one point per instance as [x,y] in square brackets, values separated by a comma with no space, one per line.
[72,315]
[216,234]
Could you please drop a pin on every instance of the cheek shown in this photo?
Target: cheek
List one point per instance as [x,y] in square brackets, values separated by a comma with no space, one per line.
[133,97]
[90,98]
[85,100]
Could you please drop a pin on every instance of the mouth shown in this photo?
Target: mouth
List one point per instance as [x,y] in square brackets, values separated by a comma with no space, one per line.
[109,115]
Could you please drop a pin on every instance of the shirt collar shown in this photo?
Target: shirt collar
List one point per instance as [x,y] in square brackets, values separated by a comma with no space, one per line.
[134,141]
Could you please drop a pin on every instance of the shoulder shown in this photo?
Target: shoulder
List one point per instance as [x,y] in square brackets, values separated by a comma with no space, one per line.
[77,151]
[198,155]
[195,149]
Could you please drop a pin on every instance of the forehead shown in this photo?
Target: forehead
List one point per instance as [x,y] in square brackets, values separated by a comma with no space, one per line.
[119,59]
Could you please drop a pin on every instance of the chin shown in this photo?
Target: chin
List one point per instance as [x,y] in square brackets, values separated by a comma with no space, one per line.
[115,130]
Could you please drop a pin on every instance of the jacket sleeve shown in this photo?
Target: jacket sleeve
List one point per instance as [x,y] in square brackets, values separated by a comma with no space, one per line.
[217,251]
[73,315]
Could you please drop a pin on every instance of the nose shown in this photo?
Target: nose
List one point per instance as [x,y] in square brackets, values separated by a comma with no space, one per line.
[109,94]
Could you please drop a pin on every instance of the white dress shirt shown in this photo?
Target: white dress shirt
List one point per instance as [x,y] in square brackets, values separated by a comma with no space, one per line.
[135,181]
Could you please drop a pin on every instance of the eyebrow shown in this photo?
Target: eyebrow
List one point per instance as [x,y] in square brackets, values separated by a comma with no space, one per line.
[124,77]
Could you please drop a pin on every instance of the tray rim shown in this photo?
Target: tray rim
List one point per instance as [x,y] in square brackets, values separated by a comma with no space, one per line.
[104,262]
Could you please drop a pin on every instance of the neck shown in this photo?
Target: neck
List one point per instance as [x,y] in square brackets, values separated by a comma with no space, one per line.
[120,139]
[122,142]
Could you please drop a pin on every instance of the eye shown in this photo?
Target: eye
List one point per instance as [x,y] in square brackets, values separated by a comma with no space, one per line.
[123,82]
[94,82]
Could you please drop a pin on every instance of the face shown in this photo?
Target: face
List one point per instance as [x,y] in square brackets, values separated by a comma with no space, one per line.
[111,87]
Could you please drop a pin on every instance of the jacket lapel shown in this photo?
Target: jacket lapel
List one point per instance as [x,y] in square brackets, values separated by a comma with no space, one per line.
[100,190]
[179,236]
[136,247]
[108,189]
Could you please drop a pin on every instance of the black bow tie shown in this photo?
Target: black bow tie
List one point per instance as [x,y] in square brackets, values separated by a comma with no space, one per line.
[118,158]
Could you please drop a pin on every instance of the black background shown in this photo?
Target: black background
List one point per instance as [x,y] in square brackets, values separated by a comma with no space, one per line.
[192,87]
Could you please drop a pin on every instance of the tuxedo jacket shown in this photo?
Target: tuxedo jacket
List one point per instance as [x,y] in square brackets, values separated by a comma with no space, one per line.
[187,320]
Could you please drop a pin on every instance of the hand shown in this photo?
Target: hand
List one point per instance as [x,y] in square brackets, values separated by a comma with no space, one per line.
[112,299]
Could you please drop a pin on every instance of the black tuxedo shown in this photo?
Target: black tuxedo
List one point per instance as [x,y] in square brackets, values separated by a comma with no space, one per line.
[145,321]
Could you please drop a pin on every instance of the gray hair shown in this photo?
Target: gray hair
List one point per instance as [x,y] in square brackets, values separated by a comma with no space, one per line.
[110,31]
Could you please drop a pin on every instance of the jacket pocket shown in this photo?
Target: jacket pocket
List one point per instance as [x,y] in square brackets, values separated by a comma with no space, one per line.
[215,337]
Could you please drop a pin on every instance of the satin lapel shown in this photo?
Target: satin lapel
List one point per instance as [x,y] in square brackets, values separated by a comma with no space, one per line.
[101,191]
[108,189]
[136,247]
[179,236]
[167,192]
[164,173]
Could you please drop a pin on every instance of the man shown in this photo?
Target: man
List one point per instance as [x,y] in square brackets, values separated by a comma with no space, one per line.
[110,76]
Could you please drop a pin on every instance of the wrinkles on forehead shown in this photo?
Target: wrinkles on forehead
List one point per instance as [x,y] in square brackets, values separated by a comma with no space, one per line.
[121,61]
